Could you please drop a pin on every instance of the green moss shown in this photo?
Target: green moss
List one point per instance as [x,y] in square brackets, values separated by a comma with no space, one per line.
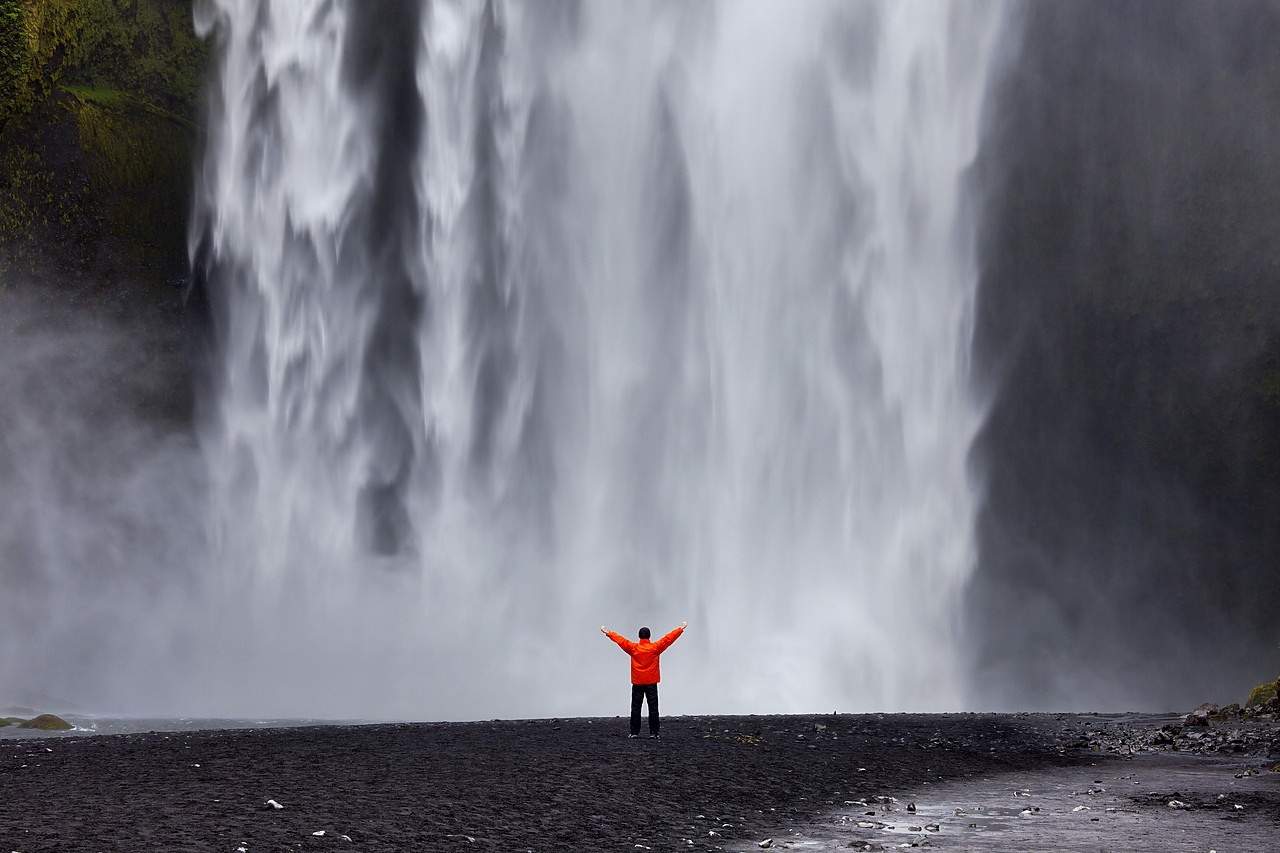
[145,48]
[13,35]
[10,721]
[26,182]
[47,723]
[105,97]
[117,100]
[96,136]
[1261,693]
[140,172]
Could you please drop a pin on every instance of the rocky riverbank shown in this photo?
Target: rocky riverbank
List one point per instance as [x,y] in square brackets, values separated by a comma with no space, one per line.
[1208,730]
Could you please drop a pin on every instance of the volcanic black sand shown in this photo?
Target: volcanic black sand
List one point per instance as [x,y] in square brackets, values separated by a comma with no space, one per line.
[710,783]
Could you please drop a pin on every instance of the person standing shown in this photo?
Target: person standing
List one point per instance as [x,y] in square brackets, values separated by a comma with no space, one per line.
[644,673]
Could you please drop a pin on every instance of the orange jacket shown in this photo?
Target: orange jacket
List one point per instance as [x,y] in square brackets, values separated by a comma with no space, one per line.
[644,655]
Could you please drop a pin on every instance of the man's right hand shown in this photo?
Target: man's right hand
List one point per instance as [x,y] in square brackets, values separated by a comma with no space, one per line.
[684,625]
[604,630]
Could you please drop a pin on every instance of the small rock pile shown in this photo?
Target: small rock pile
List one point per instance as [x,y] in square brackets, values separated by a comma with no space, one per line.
[1209,729]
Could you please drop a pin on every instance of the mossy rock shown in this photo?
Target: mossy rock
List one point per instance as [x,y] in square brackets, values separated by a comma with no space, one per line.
[146,48]
[1262,693]
[98,100]
[47,723]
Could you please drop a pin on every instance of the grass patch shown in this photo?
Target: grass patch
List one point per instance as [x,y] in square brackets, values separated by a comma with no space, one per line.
[114,99]
[105,97]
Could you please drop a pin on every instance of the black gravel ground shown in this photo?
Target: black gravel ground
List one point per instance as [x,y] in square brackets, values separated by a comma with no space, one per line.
[541,785]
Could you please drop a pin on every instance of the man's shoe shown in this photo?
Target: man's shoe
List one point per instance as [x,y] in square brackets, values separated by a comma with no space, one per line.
[633,736]
[653,737]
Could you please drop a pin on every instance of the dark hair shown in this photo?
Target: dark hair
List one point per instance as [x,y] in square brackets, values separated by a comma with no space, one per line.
[644,633]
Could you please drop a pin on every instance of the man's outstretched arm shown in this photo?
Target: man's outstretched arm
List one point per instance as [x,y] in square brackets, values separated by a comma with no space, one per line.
[672,637]
[622,641]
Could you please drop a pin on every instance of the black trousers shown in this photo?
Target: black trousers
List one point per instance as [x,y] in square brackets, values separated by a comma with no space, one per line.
[640,692]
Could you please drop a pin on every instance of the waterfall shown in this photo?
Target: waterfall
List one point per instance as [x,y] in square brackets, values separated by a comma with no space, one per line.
[532,316]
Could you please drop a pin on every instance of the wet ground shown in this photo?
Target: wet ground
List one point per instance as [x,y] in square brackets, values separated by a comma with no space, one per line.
[1112,805]
[1149,784]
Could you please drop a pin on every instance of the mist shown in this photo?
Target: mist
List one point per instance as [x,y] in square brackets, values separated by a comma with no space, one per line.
[101,501]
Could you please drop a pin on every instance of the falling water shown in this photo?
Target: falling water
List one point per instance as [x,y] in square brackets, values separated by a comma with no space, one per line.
[533,316]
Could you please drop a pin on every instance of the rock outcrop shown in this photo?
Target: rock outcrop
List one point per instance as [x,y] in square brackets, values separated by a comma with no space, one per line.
[47,723]
[98,106]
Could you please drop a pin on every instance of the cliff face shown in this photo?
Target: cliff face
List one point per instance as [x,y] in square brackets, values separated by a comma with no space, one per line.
[1128,344]
[97,131]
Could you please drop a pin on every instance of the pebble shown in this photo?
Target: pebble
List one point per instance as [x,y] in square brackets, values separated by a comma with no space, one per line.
[273,804]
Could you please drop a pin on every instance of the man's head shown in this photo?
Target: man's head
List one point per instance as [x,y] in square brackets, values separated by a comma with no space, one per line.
[644,633]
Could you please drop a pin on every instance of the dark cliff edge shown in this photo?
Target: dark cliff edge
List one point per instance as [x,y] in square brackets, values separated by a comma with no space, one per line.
[1127,345]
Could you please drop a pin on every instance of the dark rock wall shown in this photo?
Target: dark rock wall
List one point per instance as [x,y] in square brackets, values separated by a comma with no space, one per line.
[1127,344]
[98,124]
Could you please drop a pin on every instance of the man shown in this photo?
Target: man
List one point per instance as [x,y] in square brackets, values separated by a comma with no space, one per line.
[644,673]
